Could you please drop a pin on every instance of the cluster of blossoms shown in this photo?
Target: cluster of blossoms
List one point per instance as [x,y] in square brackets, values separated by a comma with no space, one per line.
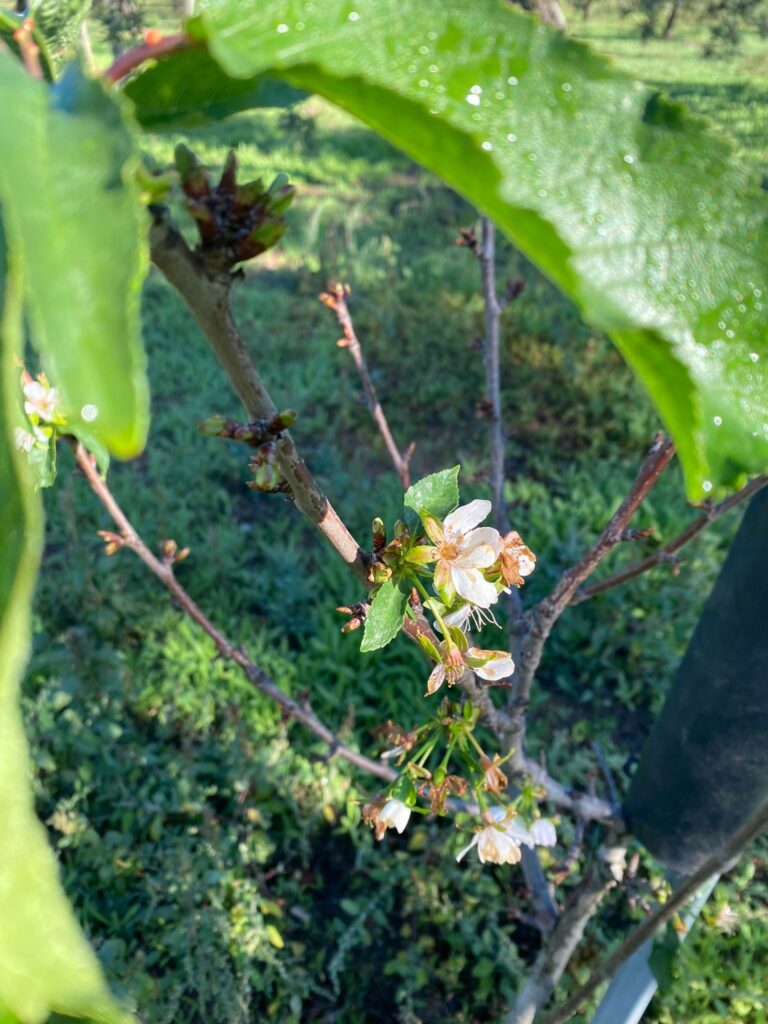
[499,837]
[468,566]
[41,406]
[473,565]
[500,832]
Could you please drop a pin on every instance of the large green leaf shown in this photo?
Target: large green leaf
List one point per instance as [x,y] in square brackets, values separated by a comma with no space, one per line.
[75,218]
[633,207]
[45,963]
[436,494]
[193,90]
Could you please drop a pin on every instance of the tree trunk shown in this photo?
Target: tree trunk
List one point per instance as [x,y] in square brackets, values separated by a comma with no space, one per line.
[667,32]
[704,769]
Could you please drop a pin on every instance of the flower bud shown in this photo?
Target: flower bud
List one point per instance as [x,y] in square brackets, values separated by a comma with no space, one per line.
[378,533]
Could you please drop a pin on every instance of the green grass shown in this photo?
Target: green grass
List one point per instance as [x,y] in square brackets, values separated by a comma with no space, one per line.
[212,856]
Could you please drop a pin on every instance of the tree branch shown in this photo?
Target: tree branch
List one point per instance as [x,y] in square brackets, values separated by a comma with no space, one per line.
[583,805]
[582,904]
[486,253]
[130,538]
[207,295]
[666,553]
[493,306]
[336,300]
[714,866]
[545,614]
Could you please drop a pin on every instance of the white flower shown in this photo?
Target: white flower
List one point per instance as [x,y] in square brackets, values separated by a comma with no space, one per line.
[23,440]
[395,814]
[500,841]
[494,843]
[40,400]
[489,665]
[26,441]
[450,667]
[461,552]
[516,560]
[492,664]
[543,832]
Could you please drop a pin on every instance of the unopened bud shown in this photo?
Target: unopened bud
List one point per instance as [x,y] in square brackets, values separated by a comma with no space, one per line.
[112,541]
[378,533]
[354,623]
[283,421]
[379,573]
[214,426]
[402,533]
[168,549]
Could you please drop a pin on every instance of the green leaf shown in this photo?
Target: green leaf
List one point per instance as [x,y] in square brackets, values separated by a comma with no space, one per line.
[385,616]
[633,207]
[45,963]
[437,494]
[73,214]
[191,89]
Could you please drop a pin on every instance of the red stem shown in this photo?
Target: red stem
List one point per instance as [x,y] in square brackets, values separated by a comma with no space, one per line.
[132,59]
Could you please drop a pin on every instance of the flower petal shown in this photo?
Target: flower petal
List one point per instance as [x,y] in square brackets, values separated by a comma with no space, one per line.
[498,665]
[525,564]
[479,556]
[543,832]
[395,814]
[458,618]
[471,585]
[519,833]
[434,530]
[467,848]
[484,535]
[436,680]
[465,518]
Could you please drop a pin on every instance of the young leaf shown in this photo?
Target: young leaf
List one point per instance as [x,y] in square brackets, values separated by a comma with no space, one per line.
[437,494]
[45,962]
[192,89]
[633,207]
[74,218]
[385,616]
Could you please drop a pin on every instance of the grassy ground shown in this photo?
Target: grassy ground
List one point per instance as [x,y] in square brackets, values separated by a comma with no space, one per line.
[216,865]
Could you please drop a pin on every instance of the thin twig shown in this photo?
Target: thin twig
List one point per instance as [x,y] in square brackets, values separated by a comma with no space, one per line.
[714,866]
[666,553]
[493,306]
[130,538]
[605,768]
[336,300]
[545,614]
[486,253]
